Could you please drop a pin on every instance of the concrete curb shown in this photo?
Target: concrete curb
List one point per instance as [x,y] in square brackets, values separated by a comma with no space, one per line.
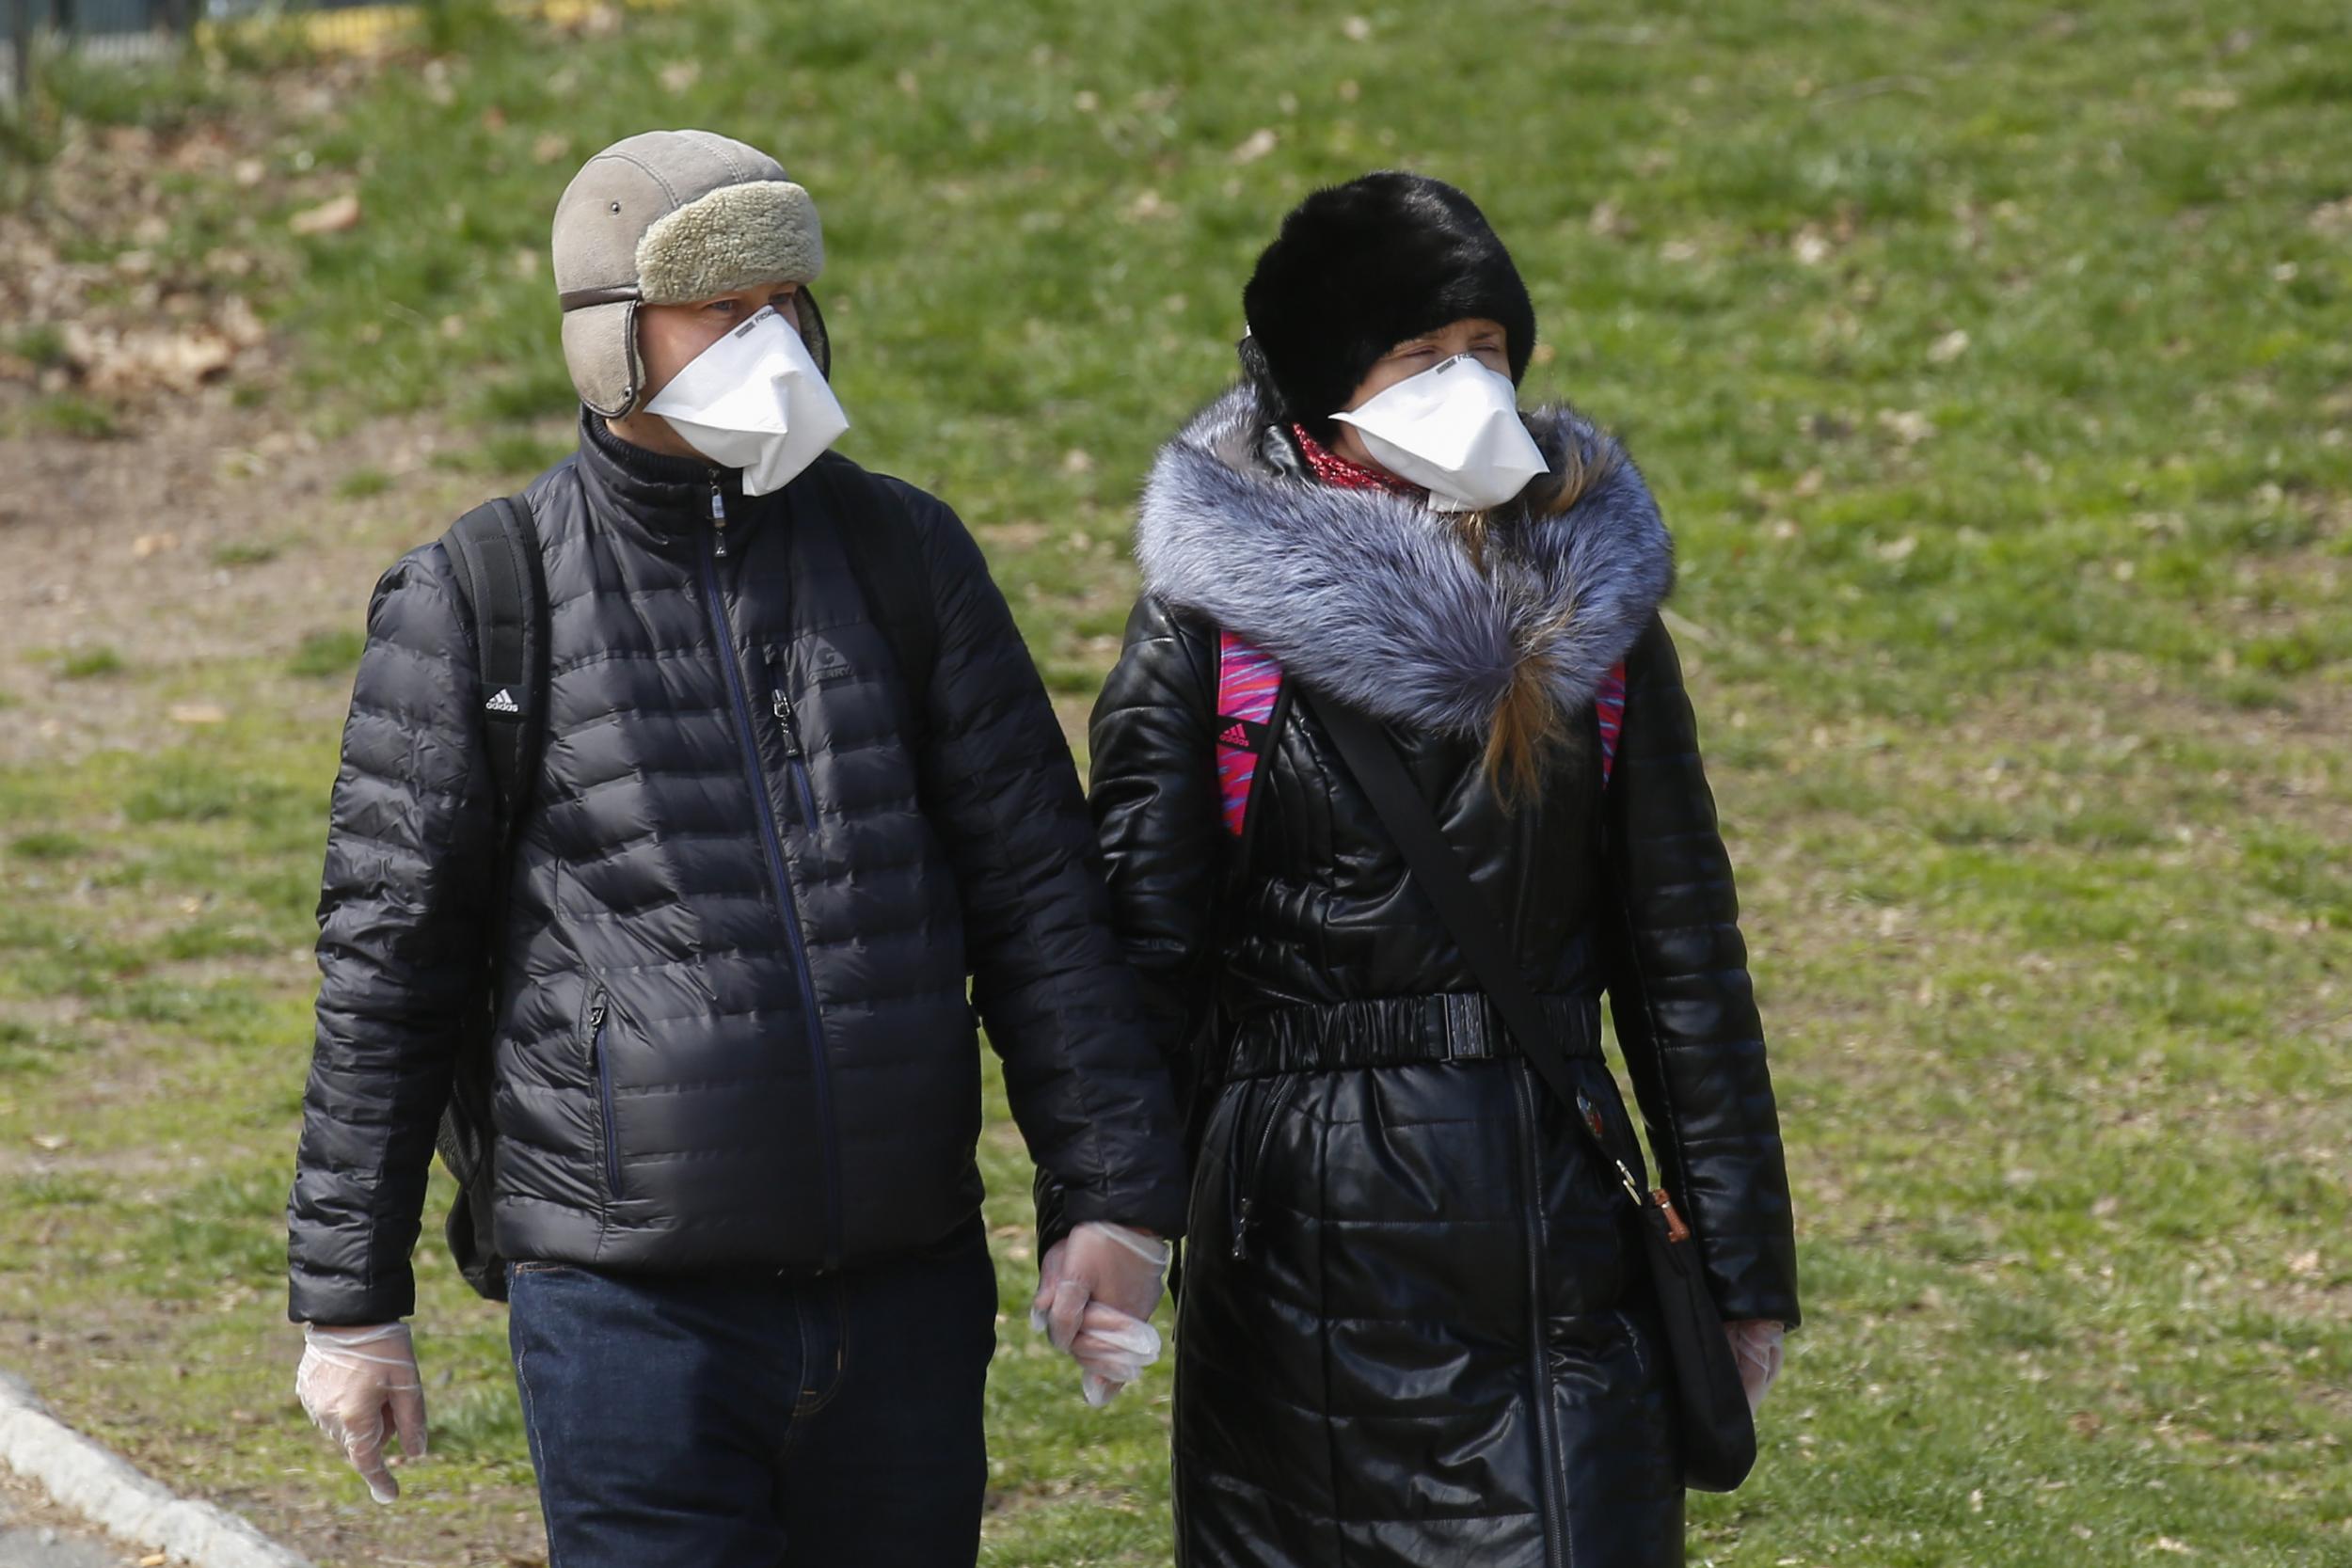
[105,1489]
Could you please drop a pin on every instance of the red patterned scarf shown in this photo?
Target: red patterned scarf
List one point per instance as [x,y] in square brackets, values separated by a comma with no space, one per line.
[1341,474]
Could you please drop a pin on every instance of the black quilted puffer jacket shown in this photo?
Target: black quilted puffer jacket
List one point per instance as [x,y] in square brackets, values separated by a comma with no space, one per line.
[1413,1326]
[735,1031]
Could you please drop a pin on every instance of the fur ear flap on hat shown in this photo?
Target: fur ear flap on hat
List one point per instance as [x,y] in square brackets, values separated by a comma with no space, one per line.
[1362,268]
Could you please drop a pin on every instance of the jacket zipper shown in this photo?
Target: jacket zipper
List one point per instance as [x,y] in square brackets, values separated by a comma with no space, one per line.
[1245,1179]
[600,1014]
[780,703]
[747,742]
[1547,1427]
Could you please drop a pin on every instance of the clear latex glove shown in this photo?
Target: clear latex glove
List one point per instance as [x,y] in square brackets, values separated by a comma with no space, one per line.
[1109,1263]
[356,1385]
[1099,1285]
[1111,1350]
[1756,1344]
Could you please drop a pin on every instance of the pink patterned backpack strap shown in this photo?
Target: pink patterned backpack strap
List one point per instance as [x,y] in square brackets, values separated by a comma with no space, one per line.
[1248,684]
[1609,705]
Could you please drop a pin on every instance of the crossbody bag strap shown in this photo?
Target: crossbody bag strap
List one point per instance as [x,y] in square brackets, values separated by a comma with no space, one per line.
[1373,759]
[1717,1428]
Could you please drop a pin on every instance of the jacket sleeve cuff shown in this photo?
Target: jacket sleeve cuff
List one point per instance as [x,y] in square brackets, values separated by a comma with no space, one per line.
[1052,1214]
[338,1303]
[1748,1281]
[1159,1208]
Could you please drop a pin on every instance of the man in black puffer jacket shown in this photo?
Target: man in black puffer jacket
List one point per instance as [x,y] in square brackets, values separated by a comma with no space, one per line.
[737,1081]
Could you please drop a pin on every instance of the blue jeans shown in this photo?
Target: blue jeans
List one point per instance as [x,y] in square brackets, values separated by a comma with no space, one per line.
[735,1422]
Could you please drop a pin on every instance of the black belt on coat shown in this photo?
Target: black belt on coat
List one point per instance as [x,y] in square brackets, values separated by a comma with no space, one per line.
[1399,1030]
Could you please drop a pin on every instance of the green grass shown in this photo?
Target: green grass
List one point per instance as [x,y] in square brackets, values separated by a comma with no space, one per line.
[1992,365]
[328,653]
[246,553]
[42,344]
[360,483]
[89,663]
[72,414]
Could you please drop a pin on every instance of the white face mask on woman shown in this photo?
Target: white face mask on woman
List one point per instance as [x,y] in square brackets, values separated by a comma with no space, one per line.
[755,400]
[1455,428]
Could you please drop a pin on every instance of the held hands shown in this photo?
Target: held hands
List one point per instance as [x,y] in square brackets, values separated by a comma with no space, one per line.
[1755,1345]
[1094,1299]
[355,1384]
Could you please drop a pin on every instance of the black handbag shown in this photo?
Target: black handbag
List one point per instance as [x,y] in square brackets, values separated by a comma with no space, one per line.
[1716,1429]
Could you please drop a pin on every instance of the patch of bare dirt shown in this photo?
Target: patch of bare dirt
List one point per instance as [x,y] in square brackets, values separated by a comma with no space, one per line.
[208,533]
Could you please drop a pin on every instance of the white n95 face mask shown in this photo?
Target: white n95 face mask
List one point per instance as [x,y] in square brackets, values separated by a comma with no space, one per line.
[1455,429]
[755,401]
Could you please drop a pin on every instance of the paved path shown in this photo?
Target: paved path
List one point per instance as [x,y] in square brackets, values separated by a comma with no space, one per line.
[33,1535]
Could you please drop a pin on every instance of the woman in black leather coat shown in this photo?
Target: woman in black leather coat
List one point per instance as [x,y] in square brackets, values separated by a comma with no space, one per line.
[1411,1327]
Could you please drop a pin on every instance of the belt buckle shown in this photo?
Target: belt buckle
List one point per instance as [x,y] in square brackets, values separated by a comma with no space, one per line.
[1464,1042]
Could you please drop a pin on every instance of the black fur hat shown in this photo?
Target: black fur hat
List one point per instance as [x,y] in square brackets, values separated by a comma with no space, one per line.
[1359,268]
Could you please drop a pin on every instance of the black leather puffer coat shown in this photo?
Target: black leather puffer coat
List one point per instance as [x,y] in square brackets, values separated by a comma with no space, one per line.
[735,1031]
[1412,1329]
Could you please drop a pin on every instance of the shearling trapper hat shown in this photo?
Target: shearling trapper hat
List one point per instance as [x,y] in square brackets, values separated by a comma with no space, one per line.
[1359,268]
[670,217]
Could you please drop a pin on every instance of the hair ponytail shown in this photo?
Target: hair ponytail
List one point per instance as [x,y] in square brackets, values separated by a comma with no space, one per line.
[1526,726]
[1529,725]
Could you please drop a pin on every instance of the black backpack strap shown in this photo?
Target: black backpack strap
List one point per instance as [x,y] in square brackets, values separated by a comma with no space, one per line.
[494,550]
[885,552]
[1718,1431]
[494,553]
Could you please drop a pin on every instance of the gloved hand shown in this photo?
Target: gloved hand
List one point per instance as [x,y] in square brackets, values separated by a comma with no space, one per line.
[1756,1344]
[356,1384]
[1111,1350]
[1095,1298]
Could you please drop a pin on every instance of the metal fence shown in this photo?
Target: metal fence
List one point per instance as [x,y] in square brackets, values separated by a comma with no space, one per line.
[130,30]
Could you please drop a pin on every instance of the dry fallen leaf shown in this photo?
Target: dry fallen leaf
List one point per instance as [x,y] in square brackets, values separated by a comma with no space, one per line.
[237,323]
[1257,144]
[330,217]
[1907,425]
[199,713]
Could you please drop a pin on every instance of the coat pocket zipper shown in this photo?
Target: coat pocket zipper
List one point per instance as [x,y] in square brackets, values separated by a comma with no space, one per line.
[1247,1170]
[599,1015]
[789,725]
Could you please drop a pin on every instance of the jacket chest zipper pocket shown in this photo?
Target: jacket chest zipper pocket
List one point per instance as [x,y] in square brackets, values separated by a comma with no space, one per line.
[788,730]
[599,1019]
[1250,1149]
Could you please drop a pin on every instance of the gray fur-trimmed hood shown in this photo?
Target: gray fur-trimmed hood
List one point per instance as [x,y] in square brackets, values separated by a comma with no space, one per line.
[1372,597]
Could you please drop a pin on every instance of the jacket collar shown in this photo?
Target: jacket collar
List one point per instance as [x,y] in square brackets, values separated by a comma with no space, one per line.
[1374,598]
[664,500]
